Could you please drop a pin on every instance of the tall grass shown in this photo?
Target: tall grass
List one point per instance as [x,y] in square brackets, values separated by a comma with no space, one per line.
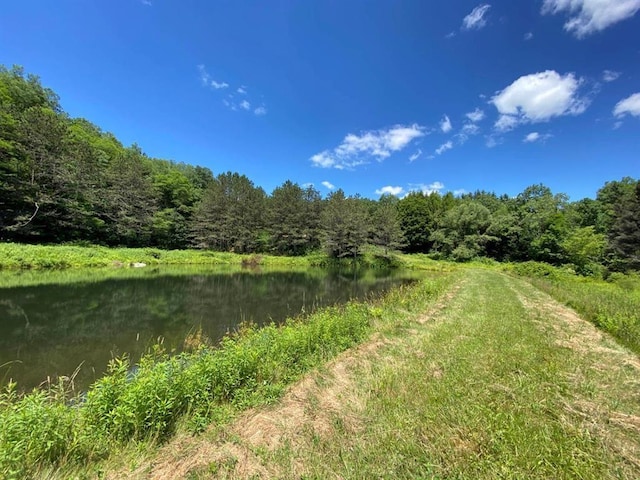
[612,305]
[46,429]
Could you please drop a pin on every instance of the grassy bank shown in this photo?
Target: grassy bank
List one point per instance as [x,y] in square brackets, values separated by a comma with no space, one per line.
[500,383]
[613,306]
[46,430]
[19,256]
[14,256]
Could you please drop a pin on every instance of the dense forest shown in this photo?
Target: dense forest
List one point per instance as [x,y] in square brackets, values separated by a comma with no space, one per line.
[64,180]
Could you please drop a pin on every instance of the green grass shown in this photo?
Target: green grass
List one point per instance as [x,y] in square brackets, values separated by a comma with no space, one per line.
[484,390]
[613,306]
[45,430]
[14,256]
[20,256]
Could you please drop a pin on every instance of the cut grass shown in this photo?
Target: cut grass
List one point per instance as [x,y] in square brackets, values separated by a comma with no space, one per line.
[611,306]
[502,383]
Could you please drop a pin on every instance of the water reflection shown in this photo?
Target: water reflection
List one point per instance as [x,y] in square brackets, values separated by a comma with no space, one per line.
[51,329]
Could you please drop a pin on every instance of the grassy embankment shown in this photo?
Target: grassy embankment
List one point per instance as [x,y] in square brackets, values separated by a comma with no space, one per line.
[613,306]
[46,430]
[15,256]
[502,382]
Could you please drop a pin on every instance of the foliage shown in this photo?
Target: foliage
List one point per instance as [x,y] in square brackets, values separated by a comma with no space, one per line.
[345,225]
[294,219]
[624,235]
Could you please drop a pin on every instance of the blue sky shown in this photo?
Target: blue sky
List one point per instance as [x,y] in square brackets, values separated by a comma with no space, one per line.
[363,95]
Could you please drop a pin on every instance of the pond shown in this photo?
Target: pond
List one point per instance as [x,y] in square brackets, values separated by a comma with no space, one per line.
[51,325]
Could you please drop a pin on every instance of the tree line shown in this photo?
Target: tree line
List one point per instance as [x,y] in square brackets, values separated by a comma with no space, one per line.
[63,179]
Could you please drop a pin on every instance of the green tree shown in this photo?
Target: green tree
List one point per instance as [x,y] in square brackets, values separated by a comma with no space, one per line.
[345,225]
[463,231]
[624,236]
[542,224]
[386,230]
[230,216]
[419,214]
[294,220]
[584,248]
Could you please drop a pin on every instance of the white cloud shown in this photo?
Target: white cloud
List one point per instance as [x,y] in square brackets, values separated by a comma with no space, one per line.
[323,159]
[630,105]
[444,147]
[470,129]
[617,125]
[207,81]
[450,35]
[146,2]
[538,98]
[219,85]
[242,90]
[260,111]
[590,16]
[389,190]
[245,105]
[328,185]
[476,116]
[377,144]
[506,123]
[528,36]
[492,141]
[536,137]
[476,20]
[445,124]
[435,187]
[415,156]
[610,76]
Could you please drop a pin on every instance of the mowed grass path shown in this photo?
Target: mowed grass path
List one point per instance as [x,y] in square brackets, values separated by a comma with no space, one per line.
[500,381]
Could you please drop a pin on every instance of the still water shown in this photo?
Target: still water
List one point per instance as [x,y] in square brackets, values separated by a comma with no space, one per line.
[52,328]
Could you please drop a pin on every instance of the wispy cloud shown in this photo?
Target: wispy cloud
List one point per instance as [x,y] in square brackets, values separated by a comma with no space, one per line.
[360,149]
[536,137]
[427,189]
[415,156]
[476,19]
[148,3]
[445,124]
[610,76]
[468,130]
[236,100]
[590,16]
[208,81]
[476,116]
[628,106]
[444,147]
[528,36]
[328,185]
[389,190]
[538,98]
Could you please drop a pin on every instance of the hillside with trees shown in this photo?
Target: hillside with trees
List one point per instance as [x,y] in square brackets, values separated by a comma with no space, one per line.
[64,180]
